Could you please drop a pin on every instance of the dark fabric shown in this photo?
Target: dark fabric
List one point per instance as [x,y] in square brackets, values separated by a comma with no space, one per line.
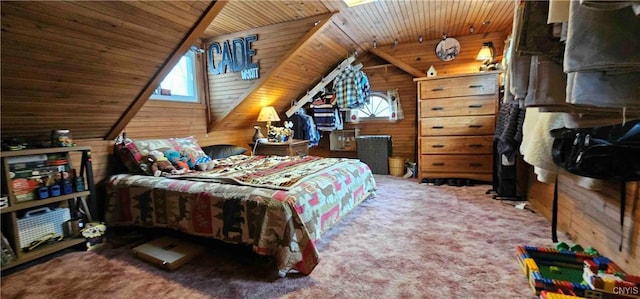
[536,36]
[304,128]
[607,152]
[509,129]
[221,151]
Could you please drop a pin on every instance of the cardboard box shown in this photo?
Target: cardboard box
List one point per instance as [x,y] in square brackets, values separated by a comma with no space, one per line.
[167,253]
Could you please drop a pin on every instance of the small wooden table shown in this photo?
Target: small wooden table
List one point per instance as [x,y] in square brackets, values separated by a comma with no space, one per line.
[294,147]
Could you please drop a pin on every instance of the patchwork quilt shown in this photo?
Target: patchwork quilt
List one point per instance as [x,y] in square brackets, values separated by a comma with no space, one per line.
[278,205]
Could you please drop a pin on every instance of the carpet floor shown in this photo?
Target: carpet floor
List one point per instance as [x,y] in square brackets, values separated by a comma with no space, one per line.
[409,241]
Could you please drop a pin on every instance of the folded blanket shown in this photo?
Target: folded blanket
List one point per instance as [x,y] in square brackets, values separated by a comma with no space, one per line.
[604,89]
[602,40]
[520,76]
[610,4]
[558,11]
[536,142]
[586,120]
[547,83]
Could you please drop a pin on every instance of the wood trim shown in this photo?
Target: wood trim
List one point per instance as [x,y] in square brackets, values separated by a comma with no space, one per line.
[307,38]
[397,62]
[191,37]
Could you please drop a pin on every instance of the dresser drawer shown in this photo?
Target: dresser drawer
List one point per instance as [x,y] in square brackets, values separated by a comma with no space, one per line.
[457,163]
[301,149]
[473,105]
[458,125]
[459,86]
[456,145]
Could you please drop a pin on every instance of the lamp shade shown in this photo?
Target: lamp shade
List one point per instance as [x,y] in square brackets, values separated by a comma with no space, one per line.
[268,114]
[486,53]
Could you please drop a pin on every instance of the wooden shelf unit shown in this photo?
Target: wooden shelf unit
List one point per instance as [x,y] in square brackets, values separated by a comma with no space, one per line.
[11,213]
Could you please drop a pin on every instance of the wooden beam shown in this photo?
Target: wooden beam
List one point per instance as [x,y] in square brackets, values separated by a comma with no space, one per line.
[401,65]
[189,39]
[324,20]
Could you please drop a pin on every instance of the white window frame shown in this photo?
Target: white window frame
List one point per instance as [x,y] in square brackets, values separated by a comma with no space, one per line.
[362,114]
[191,78]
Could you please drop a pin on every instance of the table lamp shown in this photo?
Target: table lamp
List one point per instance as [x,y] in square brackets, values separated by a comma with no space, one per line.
[268,114]
[486,54]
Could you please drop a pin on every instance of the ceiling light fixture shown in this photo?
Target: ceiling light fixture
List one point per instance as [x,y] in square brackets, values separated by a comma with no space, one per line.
[352,3]
[420,39]
[395,43]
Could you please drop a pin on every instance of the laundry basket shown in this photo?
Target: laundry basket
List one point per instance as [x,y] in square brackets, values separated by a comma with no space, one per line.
[375,150]
[39,222]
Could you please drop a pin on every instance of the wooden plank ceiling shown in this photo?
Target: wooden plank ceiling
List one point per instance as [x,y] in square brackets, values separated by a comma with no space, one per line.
[81,65]
[351,29]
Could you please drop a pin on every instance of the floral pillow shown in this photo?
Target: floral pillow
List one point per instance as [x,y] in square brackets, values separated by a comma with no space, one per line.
[133,154]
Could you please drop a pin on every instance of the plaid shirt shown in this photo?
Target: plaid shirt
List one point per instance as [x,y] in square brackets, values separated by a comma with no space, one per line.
[351,87]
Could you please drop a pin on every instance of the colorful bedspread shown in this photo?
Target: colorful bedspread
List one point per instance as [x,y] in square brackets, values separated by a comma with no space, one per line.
[276,172]
[275,215]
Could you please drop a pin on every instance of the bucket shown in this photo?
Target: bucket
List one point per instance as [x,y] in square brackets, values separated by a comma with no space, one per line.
[396,166]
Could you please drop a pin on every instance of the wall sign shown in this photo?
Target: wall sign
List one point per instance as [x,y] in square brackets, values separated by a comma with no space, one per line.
[234,56]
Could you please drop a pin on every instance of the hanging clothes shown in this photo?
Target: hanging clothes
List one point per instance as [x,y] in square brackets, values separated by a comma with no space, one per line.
[304,128]
[327,117]
[351,88]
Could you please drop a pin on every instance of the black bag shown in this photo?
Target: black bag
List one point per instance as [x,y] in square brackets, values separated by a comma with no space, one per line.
[608,152]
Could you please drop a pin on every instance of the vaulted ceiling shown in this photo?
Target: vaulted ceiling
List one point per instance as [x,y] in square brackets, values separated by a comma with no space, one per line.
[100,60]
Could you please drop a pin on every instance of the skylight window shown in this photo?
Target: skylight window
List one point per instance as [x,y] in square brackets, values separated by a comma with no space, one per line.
[352,3]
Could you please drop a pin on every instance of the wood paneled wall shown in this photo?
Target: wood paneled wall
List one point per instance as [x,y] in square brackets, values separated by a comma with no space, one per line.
[422,55]
[402,132]
[592,218]
[226,90]
[78,65]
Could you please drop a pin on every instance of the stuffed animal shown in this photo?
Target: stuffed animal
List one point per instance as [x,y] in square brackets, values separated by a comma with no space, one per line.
[204,163]
[175,158]
[159,164]
[94,233]
[188,157]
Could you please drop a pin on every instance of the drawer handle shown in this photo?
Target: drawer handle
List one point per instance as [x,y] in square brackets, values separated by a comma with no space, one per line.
[438,145]
[437,127]
[475,164]
[475,106]
[437,163]
[475,86]
[475,126]
[437,108]
[439,88]
[476,145]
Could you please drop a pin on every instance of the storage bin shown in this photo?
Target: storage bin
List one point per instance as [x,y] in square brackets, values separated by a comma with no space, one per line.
[396,166]
[343,140]
[39,222]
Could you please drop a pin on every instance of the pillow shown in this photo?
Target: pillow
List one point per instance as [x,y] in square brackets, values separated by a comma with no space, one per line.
[133,153]
[221,151]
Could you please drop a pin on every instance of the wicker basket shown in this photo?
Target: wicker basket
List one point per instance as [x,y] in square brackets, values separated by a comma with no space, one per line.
[39,222]
[396,166]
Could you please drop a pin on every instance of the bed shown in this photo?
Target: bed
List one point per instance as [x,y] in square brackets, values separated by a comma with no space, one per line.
[279,205]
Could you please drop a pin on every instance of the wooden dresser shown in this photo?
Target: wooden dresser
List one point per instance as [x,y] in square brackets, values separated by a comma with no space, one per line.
[456,124]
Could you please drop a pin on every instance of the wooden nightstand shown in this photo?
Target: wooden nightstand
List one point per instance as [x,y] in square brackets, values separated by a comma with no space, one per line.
[291,148]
